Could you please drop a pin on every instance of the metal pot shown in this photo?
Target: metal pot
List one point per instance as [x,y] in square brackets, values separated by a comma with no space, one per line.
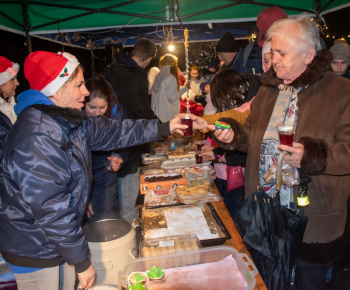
[111,243]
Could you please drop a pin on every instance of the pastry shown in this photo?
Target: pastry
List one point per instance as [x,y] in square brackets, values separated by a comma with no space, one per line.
[155,273]
[137,286]
[137,277]
[221,125]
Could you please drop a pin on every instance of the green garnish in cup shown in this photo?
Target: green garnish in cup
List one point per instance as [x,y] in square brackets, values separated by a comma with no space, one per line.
[137,286]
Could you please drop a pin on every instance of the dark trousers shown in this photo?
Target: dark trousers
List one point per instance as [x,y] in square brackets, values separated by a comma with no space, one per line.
[232,199]
[311,278]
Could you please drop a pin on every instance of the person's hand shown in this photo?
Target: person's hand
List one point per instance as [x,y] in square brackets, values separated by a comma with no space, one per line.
[295,156]
[207,154]
[198,122]
[90,211]
[207,148]
[116,162]
[188,85]
[225,136]
[87,277]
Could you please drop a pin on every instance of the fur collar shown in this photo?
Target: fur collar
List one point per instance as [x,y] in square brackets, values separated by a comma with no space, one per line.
[73,115]
[314,71]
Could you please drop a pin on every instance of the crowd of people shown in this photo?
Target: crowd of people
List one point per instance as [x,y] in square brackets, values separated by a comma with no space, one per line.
[71,150]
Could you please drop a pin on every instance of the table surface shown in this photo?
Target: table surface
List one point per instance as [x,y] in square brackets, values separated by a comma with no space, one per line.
[236,240]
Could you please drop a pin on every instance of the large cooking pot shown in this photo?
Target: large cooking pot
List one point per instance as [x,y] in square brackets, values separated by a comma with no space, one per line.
[111,242]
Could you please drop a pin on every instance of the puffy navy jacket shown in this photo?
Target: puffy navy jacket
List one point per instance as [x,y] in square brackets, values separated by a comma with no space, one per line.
[47,179]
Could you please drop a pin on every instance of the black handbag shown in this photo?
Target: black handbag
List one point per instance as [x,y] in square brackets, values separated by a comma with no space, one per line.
[273,235]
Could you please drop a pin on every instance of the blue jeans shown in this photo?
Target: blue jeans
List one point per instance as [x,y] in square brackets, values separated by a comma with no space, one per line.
[54,278]
[232,199]
[128,191]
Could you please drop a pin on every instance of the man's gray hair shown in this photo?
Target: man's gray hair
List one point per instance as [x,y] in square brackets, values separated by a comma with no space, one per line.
[301,28]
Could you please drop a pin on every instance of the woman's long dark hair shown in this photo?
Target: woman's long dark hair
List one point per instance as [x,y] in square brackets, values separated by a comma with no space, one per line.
[98,87]
[228,89]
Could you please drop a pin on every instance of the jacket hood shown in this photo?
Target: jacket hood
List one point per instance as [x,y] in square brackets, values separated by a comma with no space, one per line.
[31,97]
[314,71]
[126,59]
[162,75]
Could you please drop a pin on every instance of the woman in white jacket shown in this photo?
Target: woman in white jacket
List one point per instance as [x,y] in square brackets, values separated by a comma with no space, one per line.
[165,90]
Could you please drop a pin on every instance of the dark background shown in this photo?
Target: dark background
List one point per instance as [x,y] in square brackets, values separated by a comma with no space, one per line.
[13,47]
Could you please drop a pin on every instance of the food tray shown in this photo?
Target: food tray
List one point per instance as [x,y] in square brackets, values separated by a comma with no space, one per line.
[150,157]
[155,200]
[181,162]
[223,233]
[145,186]
[199,257]
[169,245]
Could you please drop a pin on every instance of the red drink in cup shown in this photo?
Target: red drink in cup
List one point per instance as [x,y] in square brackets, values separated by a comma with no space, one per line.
[187,121]
[199,159]
[199,145]
[286,133]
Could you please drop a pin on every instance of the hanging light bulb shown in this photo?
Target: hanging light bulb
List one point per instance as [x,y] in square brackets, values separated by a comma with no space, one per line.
[171,46]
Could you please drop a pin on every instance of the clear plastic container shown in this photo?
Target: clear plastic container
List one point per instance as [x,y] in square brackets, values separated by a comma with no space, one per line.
[201,256]
[169,245]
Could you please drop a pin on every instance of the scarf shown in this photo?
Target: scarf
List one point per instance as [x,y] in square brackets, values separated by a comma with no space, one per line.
[7,108]
[286,108]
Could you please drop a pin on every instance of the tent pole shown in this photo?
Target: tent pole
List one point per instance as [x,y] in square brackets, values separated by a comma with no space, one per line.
[26,26]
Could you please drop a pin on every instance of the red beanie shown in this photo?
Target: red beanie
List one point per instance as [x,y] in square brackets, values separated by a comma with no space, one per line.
[8,70]
[47,71]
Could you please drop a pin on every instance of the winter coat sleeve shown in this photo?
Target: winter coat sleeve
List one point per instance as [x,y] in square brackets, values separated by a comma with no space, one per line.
[107,134]
[44,192]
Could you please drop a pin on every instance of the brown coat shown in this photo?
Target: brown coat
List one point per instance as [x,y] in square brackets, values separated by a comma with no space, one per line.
[324,129]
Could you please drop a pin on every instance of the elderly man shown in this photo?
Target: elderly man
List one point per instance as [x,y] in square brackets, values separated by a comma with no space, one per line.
[302,88]
[341,60]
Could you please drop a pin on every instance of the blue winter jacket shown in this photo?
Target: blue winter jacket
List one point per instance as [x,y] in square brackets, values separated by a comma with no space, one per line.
[47,178]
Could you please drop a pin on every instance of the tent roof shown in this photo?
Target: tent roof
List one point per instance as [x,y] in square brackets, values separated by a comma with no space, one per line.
[49,16]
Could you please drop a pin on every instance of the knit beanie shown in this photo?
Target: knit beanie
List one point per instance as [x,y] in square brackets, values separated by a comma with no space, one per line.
[47,71]
[341,51]
[266,18]
[8,70]
[202,86]
[212,64]
[227,43]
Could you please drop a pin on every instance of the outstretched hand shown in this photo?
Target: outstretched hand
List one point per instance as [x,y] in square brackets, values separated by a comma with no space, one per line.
[225,136]
[176,126]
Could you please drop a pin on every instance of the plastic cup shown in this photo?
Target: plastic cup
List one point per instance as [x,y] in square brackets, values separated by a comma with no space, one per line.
[187,121]
[199,159]
[199,145]
[286,132]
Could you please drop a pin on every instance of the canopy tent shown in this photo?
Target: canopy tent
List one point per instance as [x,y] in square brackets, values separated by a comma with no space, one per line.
[51,17]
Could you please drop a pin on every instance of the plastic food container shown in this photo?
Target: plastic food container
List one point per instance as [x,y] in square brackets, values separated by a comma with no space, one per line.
[153,181]
[199,257]
[169,245]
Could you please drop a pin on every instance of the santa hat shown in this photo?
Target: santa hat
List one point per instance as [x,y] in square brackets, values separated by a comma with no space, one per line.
[47,71]
[266,18]
[8,70]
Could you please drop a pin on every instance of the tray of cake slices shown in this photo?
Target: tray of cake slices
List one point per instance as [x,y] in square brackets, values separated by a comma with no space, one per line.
[161,181]
[199,219]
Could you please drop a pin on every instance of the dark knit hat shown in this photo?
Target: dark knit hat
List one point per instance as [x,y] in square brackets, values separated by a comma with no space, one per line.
[227,43]
[202,86]
[213,64]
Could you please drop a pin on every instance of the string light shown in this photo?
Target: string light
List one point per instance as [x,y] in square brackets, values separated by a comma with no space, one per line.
[187,68]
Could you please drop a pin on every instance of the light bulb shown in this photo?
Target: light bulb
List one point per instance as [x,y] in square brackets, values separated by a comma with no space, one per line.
[171,47]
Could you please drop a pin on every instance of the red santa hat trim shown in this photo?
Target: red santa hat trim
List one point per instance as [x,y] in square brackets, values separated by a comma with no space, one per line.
[47,72]
[8,70]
